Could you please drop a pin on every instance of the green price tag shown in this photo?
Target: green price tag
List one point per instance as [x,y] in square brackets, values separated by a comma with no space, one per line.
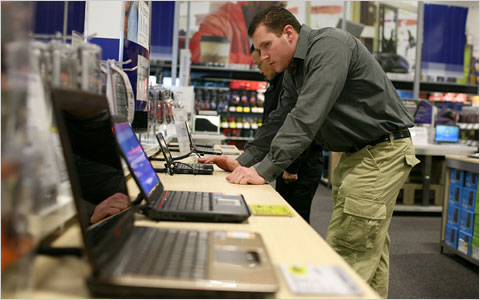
[271,210]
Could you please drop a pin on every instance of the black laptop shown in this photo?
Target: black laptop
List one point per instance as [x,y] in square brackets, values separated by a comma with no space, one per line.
[129,261]
[198,148]
[175,167]
[175,205]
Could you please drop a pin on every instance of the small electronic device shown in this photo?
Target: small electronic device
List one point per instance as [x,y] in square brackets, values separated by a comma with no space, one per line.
[447,133]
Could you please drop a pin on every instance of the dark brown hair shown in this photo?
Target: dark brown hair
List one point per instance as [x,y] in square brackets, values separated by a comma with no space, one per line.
[275,19]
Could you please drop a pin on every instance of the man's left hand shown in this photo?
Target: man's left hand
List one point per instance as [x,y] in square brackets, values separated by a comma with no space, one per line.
[243,175]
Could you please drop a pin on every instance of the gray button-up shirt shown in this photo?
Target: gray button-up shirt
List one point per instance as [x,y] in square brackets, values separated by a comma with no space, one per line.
[336,93]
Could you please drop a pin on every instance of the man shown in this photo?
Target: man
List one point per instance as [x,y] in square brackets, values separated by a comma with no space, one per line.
[230,21]
[300,180]
[337,94]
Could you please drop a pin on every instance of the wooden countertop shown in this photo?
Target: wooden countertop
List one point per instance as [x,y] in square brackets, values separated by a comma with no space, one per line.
[289,240]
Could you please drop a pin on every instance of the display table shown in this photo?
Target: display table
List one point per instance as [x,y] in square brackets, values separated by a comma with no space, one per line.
[430,150]
[289,240]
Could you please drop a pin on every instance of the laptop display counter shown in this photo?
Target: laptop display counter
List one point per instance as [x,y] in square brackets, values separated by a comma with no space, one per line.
[289,240]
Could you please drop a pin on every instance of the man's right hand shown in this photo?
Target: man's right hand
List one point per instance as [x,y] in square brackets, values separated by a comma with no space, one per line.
[224,162]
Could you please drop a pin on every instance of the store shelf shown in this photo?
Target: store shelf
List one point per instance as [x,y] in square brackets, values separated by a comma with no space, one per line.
[216,88]
[229,72]
[238,138]
[418,208]
[461,254]
[436,86]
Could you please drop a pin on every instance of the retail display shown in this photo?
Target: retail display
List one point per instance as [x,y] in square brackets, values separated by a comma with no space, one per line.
[85,123]
[460,221]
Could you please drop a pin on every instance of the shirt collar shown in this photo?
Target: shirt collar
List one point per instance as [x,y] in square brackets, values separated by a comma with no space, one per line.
[302,43]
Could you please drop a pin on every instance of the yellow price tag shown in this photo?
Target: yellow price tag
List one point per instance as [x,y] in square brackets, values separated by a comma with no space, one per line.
[271,210]
[297,270]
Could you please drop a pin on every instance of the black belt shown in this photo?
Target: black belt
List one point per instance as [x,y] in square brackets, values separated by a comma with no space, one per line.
[396,135]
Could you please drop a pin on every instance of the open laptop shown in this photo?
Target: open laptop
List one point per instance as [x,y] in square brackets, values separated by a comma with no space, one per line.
[175,167]
[206,124]
[175,205]
[447,133]
[131,261]
[198,148]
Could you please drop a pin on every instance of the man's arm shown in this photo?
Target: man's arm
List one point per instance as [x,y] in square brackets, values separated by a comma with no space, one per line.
[256,150]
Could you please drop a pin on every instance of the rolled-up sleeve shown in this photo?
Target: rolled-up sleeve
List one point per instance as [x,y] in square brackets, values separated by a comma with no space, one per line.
[326,68]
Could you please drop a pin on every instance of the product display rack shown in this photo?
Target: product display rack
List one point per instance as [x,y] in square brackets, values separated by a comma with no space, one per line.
[459,231]
[234,92]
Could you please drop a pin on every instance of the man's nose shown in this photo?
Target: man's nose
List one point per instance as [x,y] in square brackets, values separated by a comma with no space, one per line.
[264,55]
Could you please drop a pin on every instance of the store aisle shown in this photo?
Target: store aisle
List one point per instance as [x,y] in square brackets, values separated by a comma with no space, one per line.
[417,269]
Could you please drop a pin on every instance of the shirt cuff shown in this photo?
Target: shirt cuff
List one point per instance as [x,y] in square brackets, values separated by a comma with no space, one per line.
[268,170]
[246,159]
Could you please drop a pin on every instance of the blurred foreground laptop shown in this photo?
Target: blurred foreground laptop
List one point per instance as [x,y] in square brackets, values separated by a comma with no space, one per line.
[141,262]
[174,205]
[175,167]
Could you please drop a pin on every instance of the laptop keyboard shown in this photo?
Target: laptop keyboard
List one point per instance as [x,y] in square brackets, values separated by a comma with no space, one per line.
[178,200]
[182,166]
[207,149]
[169,253]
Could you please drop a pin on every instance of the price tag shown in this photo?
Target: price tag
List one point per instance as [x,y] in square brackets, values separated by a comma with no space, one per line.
[319,280]
[232,108]
[239,109]
[246,109]
[239,125]
[271,210]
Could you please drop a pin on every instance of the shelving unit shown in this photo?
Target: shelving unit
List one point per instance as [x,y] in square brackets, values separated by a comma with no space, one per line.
[460,208]
[220,89]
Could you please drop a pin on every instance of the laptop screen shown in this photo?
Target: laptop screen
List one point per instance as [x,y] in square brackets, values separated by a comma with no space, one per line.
[136,157]
[164,147]
[208,124]
[94,168]
[447,134]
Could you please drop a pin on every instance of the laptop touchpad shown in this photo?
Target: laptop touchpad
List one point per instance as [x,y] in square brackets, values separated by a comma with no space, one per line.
[238,257]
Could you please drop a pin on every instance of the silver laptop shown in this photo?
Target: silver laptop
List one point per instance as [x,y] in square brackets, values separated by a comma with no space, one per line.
[131,261]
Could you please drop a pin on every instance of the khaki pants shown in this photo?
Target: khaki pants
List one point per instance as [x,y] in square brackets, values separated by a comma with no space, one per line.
[365,186]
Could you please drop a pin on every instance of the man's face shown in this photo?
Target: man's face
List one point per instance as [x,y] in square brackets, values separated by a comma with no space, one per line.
[263,66]
[277,51]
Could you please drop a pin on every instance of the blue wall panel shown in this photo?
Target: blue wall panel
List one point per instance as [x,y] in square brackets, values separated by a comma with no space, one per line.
[444,39]
[162,29]
[49,17]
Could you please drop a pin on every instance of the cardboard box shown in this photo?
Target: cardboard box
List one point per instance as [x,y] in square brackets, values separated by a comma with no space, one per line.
[466,220]
[457,176]
[468,198]
[471,180]
[451,236]
[455,194]
[464,242]
[453,215]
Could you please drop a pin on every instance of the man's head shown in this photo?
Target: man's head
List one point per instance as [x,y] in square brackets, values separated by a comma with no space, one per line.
[274,32]
[262,65]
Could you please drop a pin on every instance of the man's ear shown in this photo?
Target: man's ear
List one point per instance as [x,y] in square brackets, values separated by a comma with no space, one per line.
[289,31]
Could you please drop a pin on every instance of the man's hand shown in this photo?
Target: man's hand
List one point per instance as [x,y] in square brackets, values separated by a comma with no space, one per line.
[243,175]
[110,206]
[289,178]
[224,162]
